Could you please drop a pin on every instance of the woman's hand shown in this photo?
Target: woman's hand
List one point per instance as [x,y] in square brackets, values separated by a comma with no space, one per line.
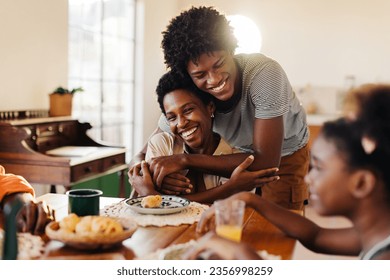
[160,167]
[132,170]
[167,172]
[245,180]
[141,179]
[176,184]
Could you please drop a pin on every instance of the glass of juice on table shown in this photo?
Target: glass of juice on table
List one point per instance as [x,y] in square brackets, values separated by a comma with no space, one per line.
[229,216]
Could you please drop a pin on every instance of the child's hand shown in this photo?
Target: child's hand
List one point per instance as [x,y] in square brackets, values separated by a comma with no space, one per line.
[213,246]
[216,247]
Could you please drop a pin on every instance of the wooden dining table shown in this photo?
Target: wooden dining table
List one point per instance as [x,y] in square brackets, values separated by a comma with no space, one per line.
[257,232]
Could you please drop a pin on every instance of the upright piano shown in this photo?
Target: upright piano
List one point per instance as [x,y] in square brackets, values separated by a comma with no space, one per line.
[27,138]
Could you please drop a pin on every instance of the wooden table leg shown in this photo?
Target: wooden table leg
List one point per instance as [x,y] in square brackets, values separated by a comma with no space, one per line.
[122,190]
[53,189]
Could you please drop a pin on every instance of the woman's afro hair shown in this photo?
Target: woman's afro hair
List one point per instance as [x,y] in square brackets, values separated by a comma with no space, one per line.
[194,32]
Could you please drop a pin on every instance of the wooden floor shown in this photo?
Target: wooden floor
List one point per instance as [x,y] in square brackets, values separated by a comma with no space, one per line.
[301,253]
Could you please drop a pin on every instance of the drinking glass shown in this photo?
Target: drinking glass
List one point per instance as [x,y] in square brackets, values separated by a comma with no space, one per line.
[229,216]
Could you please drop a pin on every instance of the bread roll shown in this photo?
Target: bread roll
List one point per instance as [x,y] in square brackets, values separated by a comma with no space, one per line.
[95,225]
[105,225]
[84,226]
[151,201]
[69,222]
[113,227]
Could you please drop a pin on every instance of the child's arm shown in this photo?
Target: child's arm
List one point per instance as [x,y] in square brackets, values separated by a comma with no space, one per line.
[318,239]
[328,241]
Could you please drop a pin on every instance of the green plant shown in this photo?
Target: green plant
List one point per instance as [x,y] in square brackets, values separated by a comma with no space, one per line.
[61,90]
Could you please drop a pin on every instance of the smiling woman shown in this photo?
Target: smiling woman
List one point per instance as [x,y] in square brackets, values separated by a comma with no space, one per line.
[189,113]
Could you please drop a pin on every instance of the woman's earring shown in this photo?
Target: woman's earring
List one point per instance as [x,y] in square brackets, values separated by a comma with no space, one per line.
[212,115]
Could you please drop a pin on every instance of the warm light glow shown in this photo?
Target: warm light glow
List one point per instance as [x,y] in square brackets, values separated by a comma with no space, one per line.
[247,34]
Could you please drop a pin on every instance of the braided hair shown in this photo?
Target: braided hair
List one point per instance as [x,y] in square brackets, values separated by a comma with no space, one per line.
[372,125]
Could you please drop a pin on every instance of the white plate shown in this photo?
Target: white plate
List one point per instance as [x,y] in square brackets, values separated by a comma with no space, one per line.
[170,204]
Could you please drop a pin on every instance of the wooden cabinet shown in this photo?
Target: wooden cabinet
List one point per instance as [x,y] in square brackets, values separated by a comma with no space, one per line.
[24,143]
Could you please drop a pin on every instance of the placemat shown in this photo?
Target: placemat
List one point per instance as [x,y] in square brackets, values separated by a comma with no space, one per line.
[189,215]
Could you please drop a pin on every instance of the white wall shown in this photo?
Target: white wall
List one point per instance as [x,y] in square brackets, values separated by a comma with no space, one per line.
[320,42]
[33,52]
[151,64]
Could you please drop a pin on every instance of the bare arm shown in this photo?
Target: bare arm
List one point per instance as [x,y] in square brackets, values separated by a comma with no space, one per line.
[329,241]
[267,143]
[241,180]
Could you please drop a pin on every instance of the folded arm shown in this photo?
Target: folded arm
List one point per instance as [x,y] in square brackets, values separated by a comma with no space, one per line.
[266,147]
[241,179]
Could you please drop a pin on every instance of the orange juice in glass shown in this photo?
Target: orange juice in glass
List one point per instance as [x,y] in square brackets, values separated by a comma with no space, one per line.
[229,215]
[231,232]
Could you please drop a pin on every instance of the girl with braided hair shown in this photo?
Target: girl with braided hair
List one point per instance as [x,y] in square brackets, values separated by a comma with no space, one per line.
[349,176]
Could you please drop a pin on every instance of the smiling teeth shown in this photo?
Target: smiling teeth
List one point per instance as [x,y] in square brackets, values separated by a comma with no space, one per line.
[220,87]
[187,133]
